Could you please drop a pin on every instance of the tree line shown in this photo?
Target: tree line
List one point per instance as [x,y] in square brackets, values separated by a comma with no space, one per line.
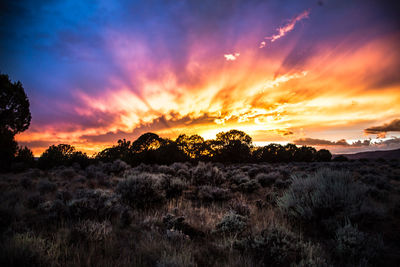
[233,146]
[229,147]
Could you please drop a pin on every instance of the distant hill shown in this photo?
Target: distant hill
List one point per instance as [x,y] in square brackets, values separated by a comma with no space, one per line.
[385,154]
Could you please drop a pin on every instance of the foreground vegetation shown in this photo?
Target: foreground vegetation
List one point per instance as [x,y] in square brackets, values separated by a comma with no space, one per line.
[202,214]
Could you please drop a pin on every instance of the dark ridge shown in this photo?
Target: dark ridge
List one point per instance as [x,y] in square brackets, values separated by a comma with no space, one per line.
[384,154]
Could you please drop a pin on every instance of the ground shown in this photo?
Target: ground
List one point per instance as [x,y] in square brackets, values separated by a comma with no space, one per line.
[203,214]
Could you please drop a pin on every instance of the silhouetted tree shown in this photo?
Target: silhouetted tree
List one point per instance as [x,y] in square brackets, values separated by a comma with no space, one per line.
[268,153]
[234,151]
[234,135]
[305,154]
[15,117]
[24,159]
[146,142]
[193,146]
[81,158]
[233,146]
[323,155]
[61,154]
[168,153]
[8,148]
[286,154]
[121,151]
[143,150]
[14,106]
[210,150]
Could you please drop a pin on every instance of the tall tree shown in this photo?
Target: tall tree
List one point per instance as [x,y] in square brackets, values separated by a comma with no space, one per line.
[15,117]
[14,106]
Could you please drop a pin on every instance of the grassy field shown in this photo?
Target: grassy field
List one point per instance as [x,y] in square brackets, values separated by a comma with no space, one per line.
[301,214]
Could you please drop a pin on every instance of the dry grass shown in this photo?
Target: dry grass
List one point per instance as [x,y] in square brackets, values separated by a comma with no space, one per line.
[108,232]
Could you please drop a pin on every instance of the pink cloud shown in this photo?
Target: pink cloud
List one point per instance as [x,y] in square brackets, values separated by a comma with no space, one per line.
[282,31]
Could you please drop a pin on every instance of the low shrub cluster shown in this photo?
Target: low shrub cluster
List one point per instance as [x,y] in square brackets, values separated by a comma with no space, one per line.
[322,198]
[202,214]
[141,191]
[354,247]
[232,223]
[277,246]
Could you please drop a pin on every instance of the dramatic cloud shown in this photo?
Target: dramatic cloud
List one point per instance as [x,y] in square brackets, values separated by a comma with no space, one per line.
[393,126]
[231,57]
[116,69]
[282,31]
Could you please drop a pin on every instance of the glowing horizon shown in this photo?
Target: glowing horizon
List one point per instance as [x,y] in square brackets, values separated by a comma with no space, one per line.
[326,72]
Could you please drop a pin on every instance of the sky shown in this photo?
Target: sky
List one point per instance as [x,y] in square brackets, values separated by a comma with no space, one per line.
[320,73]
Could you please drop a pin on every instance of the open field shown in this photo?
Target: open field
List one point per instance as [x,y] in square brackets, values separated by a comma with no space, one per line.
[110,214]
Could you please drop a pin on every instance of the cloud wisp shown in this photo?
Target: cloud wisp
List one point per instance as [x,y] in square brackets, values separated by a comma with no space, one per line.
[283,30]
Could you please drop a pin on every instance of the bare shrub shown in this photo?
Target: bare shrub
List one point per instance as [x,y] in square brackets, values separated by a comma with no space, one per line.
[252,172]
[92,230]
[45,186]
[232,223]
[89,203]
[26,182]
[126,217]
[173,187]
[118,166]
[279,183]
[249,186]
[354,247]
[53,211]
[24,250]
[183,173]
[67,173]
[267,179]
[239,207]
[213,193]
[207,174]
[98,172]
[33,201]
[179,165]
[239,177]
[178,223]
[277,246]
[141,191]
[322,195]
[64,195]
[166,169]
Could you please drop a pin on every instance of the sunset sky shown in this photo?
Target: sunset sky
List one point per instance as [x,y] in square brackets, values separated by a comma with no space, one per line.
[321,73]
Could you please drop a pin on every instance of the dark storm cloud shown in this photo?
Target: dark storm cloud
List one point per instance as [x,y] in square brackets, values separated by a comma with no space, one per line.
[322,142]
[393,126]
